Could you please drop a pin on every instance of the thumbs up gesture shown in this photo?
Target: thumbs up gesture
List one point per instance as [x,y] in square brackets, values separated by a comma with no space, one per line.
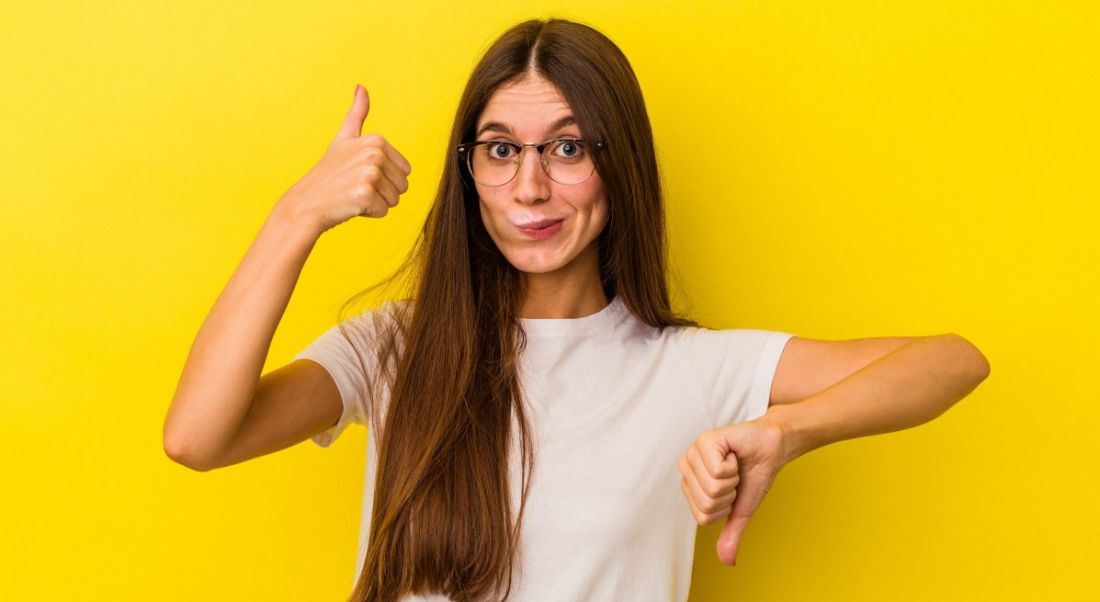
[357,176]
[727,472]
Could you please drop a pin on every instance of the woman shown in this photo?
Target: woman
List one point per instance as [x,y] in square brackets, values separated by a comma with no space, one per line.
[538,415]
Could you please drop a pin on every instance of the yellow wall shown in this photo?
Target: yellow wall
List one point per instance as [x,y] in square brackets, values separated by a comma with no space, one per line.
[837,170]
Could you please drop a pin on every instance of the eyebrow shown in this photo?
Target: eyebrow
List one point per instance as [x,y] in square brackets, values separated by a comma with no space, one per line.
[496,126]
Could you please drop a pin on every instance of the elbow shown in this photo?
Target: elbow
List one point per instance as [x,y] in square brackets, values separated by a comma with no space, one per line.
[983,367]
[977,364]
[175,449]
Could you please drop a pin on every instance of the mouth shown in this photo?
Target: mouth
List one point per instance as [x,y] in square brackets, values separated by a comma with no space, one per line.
[542,223]
[542,228]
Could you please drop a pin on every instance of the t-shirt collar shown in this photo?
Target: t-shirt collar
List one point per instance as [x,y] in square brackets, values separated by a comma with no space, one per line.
[605,319]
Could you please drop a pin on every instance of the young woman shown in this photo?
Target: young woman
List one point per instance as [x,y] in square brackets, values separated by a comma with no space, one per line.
[542,425]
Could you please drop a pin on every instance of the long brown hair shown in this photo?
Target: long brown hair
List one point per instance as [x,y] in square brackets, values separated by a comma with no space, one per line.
[442,512]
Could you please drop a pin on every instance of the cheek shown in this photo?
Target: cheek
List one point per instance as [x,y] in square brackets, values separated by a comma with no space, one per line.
[602,213]
[598,211]
[597,197]
[485,209]
[493,219]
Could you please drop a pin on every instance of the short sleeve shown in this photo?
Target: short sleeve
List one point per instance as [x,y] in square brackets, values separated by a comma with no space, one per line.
[353,364]
[733,370]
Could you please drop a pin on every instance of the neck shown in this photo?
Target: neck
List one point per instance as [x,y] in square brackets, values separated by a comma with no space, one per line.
[574,291]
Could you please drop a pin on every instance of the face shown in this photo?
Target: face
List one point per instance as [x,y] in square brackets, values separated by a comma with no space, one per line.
[526,111]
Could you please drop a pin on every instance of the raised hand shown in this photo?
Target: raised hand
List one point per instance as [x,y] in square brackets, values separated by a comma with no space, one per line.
[727,472]
[357,176]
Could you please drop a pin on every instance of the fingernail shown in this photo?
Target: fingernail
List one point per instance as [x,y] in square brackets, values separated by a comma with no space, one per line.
[356,95]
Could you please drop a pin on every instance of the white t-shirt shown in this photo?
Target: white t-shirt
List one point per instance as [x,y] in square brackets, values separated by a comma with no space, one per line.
[613,404]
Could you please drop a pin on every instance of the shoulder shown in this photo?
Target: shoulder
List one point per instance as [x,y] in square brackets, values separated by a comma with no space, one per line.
[388,311]
[368,326]
[708,343]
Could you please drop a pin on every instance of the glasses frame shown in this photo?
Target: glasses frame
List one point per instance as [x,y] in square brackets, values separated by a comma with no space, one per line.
[466,149]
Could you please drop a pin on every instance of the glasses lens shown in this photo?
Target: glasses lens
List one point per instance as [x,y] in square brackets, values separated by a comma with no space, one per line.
[494,163]
[569,161]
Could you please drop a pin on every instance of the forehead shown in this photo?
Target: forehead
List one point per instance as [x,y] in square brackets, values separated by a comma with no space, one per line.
[528,108]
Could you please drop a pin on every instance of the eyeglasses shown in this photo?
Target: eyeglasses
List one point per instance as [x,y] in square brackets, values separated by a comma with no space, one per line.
[496,162]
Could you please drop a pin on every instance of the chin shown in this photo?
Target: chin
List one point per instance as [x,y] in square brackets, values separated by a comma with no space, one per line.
[534,263]
[535,267]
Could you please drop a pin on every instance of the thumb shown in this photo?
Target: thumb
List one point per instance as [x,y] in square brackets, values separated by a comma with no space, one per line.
[730,537]
[750,493]
[353,122]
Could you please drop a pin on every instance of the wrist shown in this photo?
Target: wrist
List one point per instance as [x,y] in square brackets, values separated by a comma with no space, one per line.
[786,419]
[286,216]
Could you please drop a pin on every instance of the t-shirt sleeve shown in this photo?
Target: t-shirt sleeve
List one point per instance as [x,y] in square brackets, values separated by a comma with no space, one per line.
[352,362]
[733,370]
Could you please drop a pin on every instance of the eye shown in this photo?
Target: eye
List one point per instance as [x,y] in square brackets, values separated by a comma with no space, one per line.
[499,150]
[569,149]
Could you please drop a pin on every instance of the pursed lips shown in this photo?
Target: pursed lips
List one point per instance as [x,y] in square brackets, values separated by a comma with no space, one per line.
[539,224]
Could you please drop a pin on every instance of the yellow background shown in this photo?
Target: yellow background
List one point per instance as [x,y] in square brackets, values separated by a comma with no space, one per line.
[834,169]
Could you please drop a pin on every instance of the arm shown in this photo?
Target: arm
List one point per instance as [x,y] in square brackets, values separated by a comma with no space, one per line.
[727,471]
[906,387]
[219,379]
[223,412]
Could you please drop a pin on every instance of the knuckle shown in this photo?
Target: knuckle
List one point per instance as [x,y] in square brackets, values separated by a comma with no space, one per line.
[712,489]
[373,139]
[711,507]
[374,154]
[714,518]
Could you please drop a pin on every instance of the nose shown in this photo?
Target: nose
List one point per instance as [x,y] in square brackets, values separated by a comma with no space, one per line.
[532,183]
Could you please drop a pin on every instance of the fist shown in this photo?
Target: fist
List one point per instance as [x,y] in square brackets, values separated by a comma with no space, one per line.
[727,472]
[357,176]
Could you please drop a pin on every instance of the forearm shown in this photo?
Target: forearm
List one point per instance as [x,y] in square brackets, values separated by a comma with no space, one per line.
[222,370]
[906,387]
